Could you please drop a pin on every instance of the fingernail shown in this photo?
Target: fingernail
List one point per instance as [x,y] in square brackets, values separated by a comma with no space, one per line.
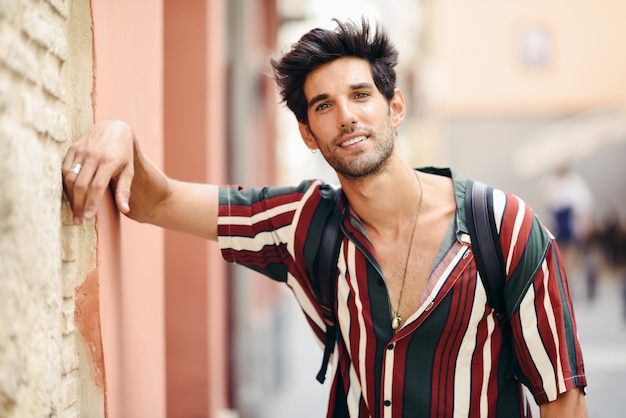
[76,220]
[88,214]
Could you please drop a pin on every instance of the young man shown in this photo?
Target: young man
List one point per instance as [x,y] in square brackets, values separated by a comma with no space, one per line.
[416,335]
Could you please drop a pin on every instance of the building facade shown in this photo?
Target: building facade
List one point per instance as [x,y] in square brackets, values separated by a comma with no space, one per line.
[112,318]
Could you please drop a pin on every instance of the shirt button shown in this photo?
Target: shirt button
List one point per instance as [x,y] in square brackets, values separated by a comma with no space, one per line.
[387,402]
[390,347]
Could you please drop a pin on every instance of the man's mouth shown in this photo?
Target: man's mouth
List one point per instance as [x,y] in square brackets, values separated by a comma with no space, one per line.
[353,141]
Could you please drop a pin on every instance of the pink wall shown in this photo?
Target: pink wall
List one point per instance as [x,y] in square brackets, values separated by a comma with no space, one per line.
[128,85]
[163,295]
[195,275]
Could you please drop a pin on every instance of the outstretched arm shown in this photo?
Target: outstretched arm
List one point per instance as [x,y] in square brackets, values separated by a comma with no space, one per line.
[109,154]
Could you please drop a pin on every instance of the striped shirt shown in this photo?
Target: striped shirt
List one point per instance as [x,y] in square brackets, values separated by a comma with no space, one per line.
[450,358]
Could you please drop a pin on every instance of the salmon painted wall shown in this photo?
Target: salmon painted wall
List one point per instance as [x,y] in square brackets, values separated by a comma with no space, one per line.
[160,67]
[195,274]
[128,70]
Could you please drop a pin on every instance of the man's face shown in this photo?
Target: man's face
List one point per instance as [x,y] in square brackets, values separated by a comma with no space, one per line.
[350,121]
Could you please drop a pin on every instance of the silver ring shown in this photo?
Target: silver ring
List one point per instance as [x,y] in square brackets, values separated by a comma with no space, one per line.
[75,168]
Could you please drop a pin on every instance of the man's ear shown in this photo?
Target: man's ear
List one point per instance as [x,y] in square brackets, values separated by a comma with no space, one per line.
[397,107]
[307,136]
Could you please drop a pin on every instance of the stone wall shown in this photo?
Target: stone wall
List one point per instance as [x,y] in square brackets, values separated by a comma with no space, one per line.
[50,351]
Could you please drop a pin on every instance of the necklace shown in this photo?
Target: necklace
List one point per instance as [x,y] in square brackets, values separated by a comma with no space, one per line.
[397,319]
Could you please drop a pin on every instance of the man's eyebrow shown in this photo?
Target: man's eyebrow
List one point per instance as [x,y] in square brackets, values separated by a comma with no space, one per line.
[318,98]
[324,96]
[363,85]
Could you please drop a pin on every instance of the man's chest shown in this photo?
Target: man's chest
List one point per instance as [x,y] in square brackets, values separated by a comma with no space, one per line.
[366,295]
[406,264]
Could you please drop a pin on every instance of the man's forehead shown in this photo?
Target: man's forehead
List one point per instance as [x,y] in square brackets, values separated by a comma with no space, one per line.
[342,73]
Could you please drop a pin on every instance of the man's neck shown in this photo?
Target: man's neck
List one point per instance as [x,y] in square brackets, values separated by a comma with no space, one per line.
[384,201]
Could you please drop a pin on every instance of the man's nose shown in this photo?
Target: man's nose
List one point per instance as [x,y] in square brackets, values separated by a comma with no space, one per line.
[346,115]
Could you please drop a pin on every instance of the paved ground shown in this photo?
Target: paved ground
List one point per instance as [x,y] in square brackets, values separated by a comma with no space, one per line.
[302,395]
[602,330]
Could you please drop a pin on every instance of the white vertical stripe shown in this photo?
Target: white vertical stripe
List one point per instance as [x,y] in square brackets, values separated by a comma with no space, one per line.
[388,383]
[553,328]
[530,331]
[344,320]
[343,292]
[360,361]
[463,366]
[519,220]
[354,394]
[499,200]
[484,405]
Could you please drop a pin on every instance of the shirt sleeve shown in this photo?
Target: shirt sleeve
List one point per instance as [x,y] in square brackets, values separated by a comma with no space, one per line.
[277,232]
[267,229]
[254,227]
[547,350]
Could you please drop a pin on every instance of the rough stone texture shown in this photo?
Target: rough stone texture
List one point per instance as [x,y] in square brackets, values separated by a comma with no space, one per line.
[45,100]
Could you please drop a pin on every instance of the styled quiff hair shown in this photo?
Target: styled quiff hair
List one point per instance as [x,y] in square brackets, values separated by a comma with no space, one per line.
[320,46]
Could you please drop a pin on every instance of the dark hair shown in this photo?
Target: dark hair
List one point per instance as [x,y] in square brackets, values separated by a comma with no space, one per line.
[320,46]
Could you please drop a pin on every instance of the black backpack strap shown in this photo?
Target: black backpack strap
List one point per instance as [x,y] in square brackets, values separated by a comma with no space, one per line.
[486,245]
[329,253]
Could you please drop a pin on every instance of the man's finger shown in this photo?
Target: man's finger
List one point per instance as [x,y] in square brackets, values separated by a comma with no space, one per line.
[69,159]
[99,185]
[122,189]
[79,189]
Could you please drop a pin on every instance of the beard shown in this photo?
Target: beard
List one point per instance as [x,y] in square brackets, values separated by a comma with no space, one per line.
[363,164]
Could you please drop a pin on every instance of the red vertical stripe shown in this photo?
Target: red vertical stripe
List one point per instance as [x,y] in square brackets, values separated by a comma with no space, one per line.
[450,343]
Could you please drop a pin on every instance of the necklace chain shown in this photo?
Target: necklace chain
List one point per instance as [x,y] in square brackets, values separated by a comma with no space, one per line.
[397,319]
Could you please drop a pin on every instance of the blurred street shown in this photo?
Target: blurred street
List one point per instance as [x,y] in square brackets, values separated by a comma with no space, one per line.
[302,395]
[602,329]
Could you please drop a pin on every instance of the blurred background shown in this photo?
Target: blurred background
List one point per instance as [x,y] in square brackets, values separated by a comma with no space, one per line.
[118,319]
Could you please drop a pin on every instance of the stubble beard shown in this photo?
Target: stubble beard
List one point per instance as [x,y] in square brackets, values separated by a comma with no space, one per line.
[364,164]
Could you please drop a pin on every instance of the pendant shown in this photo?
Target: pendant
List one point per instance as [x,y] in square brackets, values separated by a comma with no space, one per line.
[395,323]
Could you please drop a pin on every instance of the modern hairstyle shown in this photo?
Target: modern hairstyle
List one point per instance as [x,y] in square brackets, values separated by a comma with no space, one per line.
[321,46]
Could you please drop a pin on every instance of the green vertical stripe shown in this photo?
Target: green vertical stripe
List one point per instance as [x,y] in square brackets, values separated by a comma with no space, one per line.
[568,325]
[529,264]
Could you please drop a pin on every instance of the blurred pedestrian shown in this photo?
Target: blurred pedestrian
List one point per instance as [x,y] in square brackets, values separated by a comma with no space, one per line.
[568,201]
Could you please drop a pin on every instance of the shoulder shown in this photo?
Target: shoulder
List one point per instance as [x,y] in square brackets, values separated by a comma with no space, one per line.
[517,220]
[522,236]
[235,194]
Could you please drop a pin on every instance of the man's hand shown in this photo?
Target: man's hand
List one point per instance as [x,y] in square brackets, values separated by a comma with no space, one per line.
[108,153]
[102,155]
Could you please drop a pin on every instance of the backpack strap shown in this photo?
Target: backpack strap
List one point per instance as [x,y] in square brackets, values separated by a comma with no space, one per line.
[486,245]
[329,254]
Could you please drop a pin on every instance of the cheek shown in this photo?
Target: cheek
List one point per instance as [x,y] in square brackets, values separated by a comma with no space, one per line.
[320,126]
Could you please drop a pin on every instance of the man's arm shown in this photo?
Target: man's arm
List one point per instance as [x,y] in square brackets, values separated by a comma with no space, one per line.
[569,404]
[109,154]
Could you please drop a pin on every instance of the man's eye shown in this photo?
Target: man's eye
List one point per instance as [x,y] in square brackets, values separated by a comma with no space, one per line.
[362,95]
[322,106]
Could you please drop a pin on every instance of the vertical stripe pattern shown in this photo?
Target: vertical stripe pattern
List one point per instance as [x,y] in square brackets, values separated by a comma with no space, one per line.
[451,358]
